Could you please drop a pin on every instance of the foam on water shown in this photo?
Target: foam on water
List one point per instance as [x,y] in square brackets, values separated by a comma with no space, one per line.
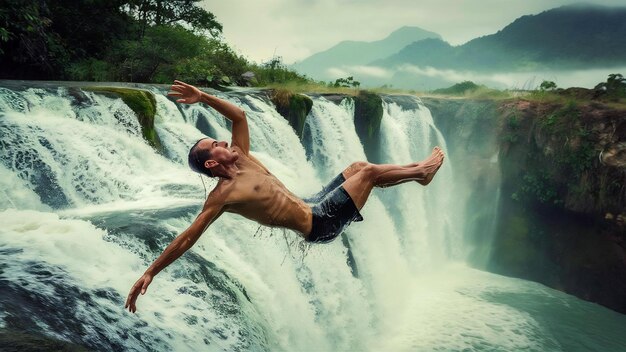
[408,135]
[32,239]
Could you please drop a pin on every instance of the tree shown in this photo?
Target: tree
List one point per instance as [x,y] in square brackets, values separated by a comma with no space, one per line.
[547,85]
[89,28]
[346,82]
[215,64]
[272,67]
[29,49]
[161,48]
[169,12]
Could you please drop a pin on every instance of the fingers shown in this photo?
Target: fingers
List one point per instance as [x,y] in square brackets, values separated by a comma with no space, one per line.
[174,94]
[130,294]
[132,298]
[133,294]
[182,83]
[181,101]
[178,88]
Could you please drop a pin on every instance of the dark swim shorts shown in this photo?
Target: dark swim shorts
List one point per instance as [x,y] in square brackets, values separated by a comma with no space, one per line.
[333,210]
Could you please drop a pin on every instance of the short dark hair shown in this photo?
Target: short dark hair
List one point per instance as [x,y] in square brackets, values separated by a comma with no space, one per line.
[196,158]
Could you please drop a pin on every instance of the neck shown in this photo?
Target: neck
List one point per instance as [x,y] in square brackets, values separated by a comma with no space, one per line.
[228,171]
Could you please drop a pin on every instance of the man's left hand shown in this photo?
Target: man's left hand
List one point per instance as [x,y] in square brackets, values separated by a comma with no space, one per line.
[140,286]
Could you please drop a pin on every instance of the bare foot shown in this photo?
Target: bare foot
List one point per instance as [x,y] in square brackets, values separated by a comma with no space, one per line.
[430,166]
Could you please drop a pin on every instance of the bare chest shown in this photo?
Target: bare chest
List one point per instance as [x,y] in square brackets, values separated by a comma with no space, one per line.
[256,187]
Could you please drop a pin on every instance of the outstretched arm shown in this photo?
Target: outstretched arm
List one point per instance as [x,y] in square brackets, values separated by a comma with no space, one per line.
[180,245]
[189,94]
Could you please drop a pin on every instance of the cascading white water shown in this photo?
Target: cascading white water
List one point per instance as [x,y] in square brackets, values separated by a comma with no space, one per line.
[407,136]
[86,205]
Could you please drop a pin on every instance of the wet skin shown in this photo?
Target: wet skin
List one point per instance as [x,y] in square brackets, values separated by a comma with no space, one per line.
[246,187]
[255,193]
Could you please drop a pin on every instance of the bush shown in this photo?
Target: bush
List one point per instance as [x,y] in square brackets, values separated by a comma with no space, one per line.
[459,88]
[614,87]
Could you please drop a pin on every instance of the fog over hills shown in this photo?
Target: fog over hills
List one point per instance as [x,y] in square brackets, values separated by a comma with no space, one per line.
[326,64]
[574,37]
[568,37]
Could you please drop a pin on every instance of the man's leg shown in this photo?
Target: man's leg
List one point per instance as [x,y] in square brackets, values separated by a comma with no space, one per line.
[408,169]
[362,177]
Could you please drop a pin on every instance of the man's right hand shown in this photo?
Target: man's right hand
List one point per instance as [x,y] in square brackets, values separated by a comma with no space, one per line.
[139,287]
[186,93]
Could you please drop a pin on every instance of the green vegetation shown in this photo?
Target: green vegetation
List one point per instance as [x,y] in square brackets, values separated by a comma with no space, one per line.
[143,105]
[510,132]
[151,41]
[293,107]
[471,90]
[459,88]
[368,113]
[547,85]
[346,82]
[612,92]
[567,152]
[538,186]
[553,139]
[614,88]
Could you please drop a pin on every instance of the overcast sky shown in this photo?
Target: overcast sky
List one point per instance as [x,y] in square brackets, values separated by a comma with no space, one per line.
[295,29]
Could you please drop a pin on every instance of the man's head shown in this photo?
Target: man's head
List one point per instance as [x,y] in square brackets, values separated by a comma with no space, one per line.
[208,156]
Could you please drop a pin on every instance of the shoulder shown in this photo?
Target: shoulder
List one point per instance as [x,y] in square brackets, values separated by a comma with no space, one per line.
[218,197]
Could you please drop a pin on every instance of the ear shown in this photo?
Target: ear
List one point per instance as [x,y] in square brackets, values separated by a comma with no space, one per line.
[210,163]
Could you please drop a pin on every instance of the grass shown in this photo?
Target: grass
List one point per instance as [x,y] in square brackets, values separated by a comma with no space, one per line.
[481,93]
[562,98]
[297,87]
[617,105]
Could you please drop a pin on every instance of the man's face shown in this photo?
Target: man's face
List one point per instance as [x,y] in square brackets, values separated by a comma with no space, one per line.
[220,152]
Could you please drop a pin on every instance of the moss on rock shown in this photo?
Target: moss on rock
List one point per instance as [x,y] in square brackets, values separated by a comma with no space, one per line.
[293,107]
[368,113]
[555,180]
[143,105]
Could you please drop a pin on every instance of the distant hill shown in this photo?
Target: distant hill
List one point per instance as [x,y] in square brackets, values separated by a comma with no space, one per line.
[574,36]
[350,53]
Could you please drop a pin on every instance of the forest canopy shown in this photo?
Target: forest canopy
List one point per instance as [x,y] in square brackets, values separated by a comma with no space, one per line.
[149,41]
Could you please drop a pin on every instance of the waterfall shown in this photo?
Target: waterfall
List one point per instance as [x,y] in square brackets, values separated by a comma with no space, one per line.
[86,205]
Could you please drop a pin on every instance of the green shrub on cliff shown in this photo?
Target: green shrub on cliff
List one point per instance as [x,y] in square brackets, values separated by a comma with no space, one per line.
[293,107]
[561,153]
[142,103]
[368,113]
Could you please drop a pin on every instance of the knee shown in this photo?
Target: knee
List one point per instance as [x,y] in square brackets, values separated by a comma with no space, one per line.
[369,171]
[354,168]
[359,165]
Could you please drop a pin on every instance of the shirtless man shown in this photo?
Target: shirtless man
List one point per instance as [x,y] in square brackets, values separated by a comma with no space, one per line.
[246,187]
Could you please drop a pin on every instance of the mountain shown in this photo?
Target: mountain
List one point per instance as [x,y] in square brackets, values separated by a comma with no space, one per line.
[568,37]
[351,53]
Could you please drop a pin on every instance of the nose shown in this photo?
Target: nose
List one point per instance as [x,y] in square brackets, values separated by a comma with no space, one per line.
[224,144]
